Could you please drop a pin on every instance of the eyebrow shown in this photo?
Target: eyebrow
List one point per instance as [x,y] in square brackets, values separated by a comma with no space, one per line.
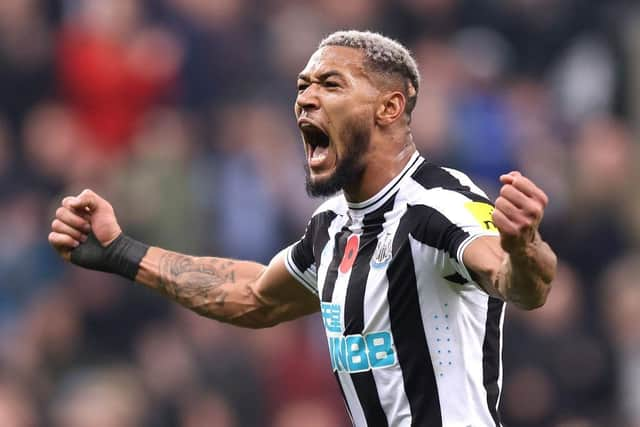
[323,76]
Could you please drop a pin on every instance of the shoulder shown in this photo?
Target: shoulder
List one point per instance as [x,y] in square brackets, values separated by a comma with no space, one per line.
[446,196]
[324,215]
[431,176]
[434,185]
[335,205]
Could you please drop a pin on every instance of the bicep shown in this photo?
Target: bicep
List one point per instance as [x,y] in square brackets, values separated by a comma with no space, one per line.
[278,289]
[483,258]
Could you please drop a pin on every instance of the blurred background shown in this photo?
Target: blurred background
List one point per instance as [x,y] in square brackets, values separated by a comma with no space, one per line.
[180,113]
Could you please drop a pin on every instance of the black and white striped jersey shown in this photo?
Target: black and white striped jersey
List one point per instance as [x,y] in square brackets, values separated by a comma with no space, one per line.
[413,340]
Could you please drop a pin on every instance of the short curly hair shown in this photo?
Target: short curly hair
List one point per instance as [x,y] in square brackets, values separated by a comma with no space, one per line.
[383,55]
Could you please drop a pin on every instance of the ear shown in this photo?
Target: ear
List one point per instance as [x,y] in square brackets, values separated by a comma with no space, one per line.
[391,107]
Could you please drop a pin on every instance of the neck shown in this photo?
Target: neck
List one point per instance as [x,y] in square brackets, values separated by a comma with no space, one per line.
[385,160]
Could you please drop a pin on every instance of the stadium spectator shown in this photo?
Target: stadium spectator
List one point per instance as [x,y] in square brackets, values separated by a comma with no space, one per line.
[112,69]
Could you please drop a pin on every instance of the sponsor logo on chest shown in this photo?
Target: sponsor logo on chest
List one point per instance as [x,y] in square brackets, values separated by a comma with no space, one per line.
[357,352]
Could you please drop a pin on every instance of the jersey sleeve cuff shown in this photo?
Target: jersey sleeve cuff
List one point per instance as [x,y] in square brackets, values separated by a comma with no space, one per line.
[463,246]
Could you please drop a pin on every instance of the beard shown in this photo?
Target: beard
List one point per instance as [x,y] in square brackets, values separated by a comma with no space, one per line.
[349,168]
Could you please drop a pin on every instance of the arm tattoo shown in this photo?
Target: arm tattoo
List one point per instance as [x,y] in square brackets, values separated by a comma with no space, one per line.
[195,282]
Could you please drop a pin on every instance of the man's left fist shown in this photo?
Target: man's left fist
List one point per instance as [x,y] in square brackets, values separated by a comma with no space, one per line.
[518,212]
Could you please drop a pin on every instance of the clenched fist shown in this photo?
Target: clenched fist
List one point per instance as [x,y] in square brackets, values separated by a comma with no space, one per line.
[518,212]
[77,218]
[86,232]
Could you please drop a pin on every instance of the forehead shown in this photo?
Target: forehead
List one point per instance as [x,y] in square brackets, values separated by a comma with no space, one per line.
[345,60]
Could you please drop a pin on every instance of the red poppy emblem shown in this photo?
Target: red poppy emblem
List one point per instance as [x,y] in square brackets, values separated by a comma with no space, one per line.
[350,253]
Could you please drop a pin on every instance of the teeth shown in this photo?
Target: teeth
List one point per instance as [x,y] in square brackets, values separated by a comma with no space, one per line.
[318,153]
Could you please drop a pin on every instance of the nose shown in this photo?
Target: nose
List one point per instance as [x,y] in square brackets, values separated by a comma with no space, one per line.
[307,99]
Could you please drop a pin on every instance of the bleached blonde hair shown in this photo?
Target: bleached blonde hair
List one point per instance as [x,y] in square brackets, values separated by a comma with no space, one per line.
[384,55]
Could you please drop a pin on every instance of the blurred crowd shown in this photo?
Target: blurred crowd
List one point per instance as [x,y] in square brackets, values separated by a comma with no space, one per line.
[180,113]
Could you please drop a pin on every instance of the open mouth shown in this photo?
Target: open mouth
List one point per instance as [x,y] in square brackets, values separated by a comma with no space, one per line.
[314,136]
[317,143]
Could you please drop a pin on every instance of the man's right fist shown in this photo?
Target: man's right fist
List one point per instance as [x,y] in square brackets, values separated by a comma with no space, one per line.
[85,232]
[79,216]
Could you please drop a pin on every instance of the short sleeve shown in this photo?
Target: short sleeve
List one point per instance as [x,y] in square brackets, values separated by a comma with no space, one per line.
[303,257]
[470,217]
[300,260]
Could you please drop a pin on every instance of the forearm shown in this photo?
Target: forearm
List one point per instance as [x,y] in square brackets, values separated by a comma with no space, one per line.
[86,233]
[525,277]
[218,288]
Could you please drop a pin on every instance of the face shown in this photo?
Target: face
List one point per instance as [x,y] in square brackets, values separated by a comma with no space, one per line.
[335,110]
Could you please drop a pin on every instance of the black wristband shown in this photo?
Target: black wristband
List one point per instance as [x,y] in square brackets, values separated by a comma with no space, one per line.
[122,256]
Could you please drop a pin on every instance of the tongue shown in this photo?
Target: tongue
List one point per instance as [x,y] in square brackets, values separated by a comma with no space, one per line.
[318,155]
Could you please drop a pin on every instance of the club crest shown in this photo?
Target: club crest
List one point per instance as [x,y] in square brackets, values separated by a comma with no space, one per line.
[382,254]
